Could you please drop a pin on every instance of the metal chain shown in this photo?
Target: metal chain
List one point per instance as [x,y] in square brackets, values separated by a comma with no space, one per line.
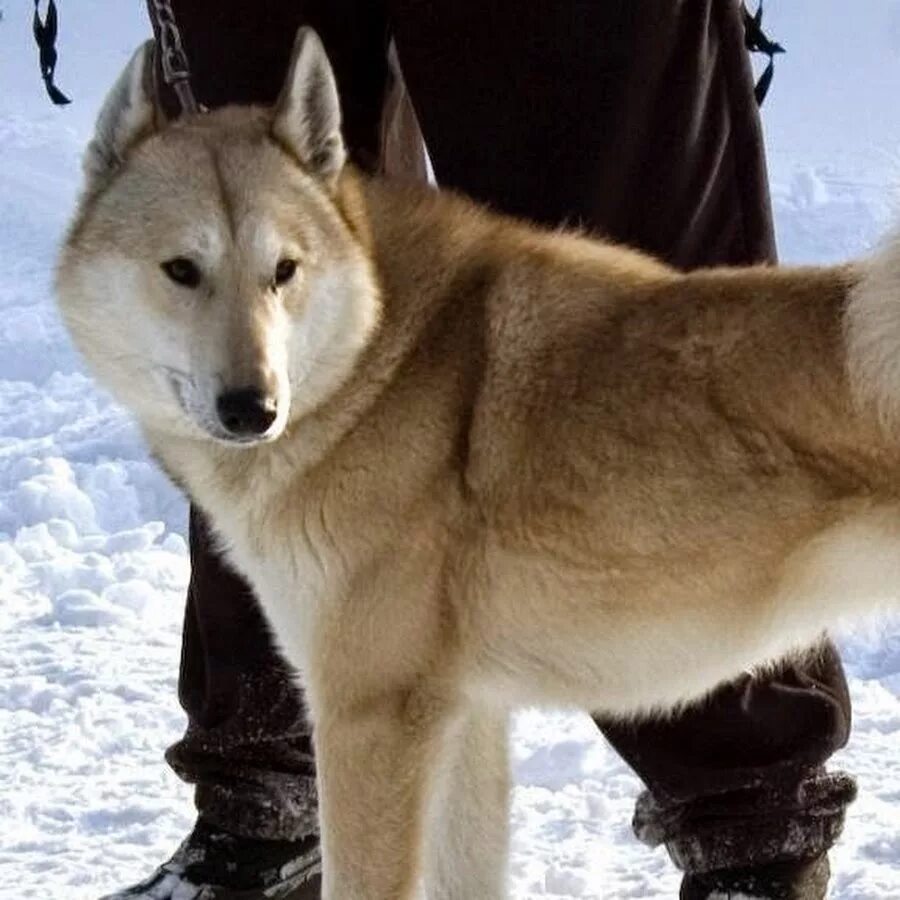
[175,68]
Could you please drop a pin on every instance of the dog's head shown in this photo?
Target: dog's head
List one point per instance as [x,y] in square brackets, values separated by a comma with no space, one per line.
[210,277]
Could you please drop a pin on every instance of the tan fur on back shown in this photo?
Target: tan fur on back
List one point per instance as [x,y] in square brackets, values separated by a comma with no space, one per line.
[518,467]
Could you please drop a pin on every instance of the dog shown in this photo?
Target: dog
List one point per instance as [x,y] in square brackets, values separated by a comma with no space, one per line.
[469,464]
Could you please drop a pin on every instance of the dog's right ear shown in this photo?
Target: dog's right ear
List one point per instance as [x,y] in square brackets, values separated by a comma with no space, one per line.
[308,112]
[127,115]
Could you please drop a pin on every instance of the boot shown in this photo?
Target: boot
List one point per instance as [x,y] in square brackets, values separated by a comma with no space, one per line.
[805,879]
[212,864]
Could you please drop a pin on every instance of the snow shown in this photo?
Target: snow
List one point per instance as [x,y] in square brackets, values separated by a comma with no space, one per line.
[93,563]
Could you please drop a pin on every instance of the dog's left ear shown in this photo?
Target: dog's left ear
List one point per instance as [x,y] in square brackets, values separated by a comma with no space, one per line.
[308,112]
[127,115]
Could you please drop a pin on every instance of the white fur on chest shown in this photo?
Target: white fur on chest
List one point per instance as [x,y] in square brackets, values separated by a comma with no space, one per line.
[287,575]
[269,545]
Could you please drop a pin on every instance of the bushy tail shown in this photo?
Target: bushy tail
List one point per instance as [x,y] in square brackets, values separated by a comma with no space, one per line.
[872,332]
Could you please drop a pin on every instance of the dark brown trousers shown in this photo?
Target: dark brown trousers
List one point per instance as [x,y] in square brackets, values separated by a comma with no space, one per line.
[634,119]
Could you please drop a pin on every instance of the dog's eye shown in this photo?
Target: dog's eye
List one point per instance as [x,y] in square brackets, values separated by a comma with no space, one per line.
[182,271]
[285,270]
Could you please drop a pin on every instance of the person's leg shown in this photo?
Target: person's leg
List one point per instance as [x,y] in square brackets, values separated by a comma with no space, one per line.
[642,125]
[631,119]
[247,747]
[738,780]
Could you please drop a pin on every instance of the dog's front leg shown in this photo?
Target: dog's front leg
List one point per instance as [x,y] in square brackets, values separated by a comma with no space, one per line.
[468,809]
[372,763]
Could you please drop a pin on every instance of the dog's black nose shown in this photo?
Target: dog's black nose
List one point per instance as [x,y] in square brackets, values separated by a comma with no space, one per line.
[246,411]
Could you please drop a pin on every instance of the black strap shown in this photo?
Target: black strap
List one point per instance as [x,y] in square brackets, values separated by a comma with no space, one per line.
[45,35]
[756,41]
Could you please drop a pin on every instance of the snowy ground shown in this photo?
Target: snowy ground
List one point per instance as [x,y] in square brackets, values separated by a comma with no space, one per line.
[92,555]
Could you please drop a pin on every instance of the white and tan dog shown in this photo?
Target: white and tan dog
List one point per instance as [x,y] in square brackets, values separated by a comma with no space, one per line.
[469,464]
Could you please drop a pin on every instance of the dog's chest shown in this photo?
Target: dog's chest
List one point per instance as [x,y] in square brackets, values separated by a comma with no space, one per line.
[287,572]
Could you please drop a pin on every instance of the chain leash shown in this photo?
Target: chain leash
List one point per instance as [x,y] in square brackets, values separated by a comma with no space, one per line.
[176,70]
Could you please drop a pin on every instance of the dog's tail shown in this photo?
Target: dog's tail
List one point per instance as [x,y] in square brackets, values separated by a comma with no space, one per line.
[872,331]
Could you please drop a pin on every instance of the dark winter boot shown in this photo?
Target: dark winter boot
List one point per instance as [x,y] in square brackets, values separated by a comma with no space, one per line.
[794,880]
[215,865]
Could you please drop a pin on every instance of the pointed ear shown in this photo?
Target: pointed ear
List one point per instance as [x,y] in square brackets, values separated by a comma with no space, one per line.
[308,112]
[127,115]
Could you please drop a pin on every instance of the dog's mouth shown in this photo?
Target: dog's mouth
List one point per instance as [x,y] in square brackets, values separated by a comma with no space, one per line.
[223,437]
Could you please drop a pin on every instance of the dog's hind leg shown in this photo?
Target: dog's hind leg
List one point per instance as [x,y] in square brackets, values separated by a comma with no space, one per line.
[467,822]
